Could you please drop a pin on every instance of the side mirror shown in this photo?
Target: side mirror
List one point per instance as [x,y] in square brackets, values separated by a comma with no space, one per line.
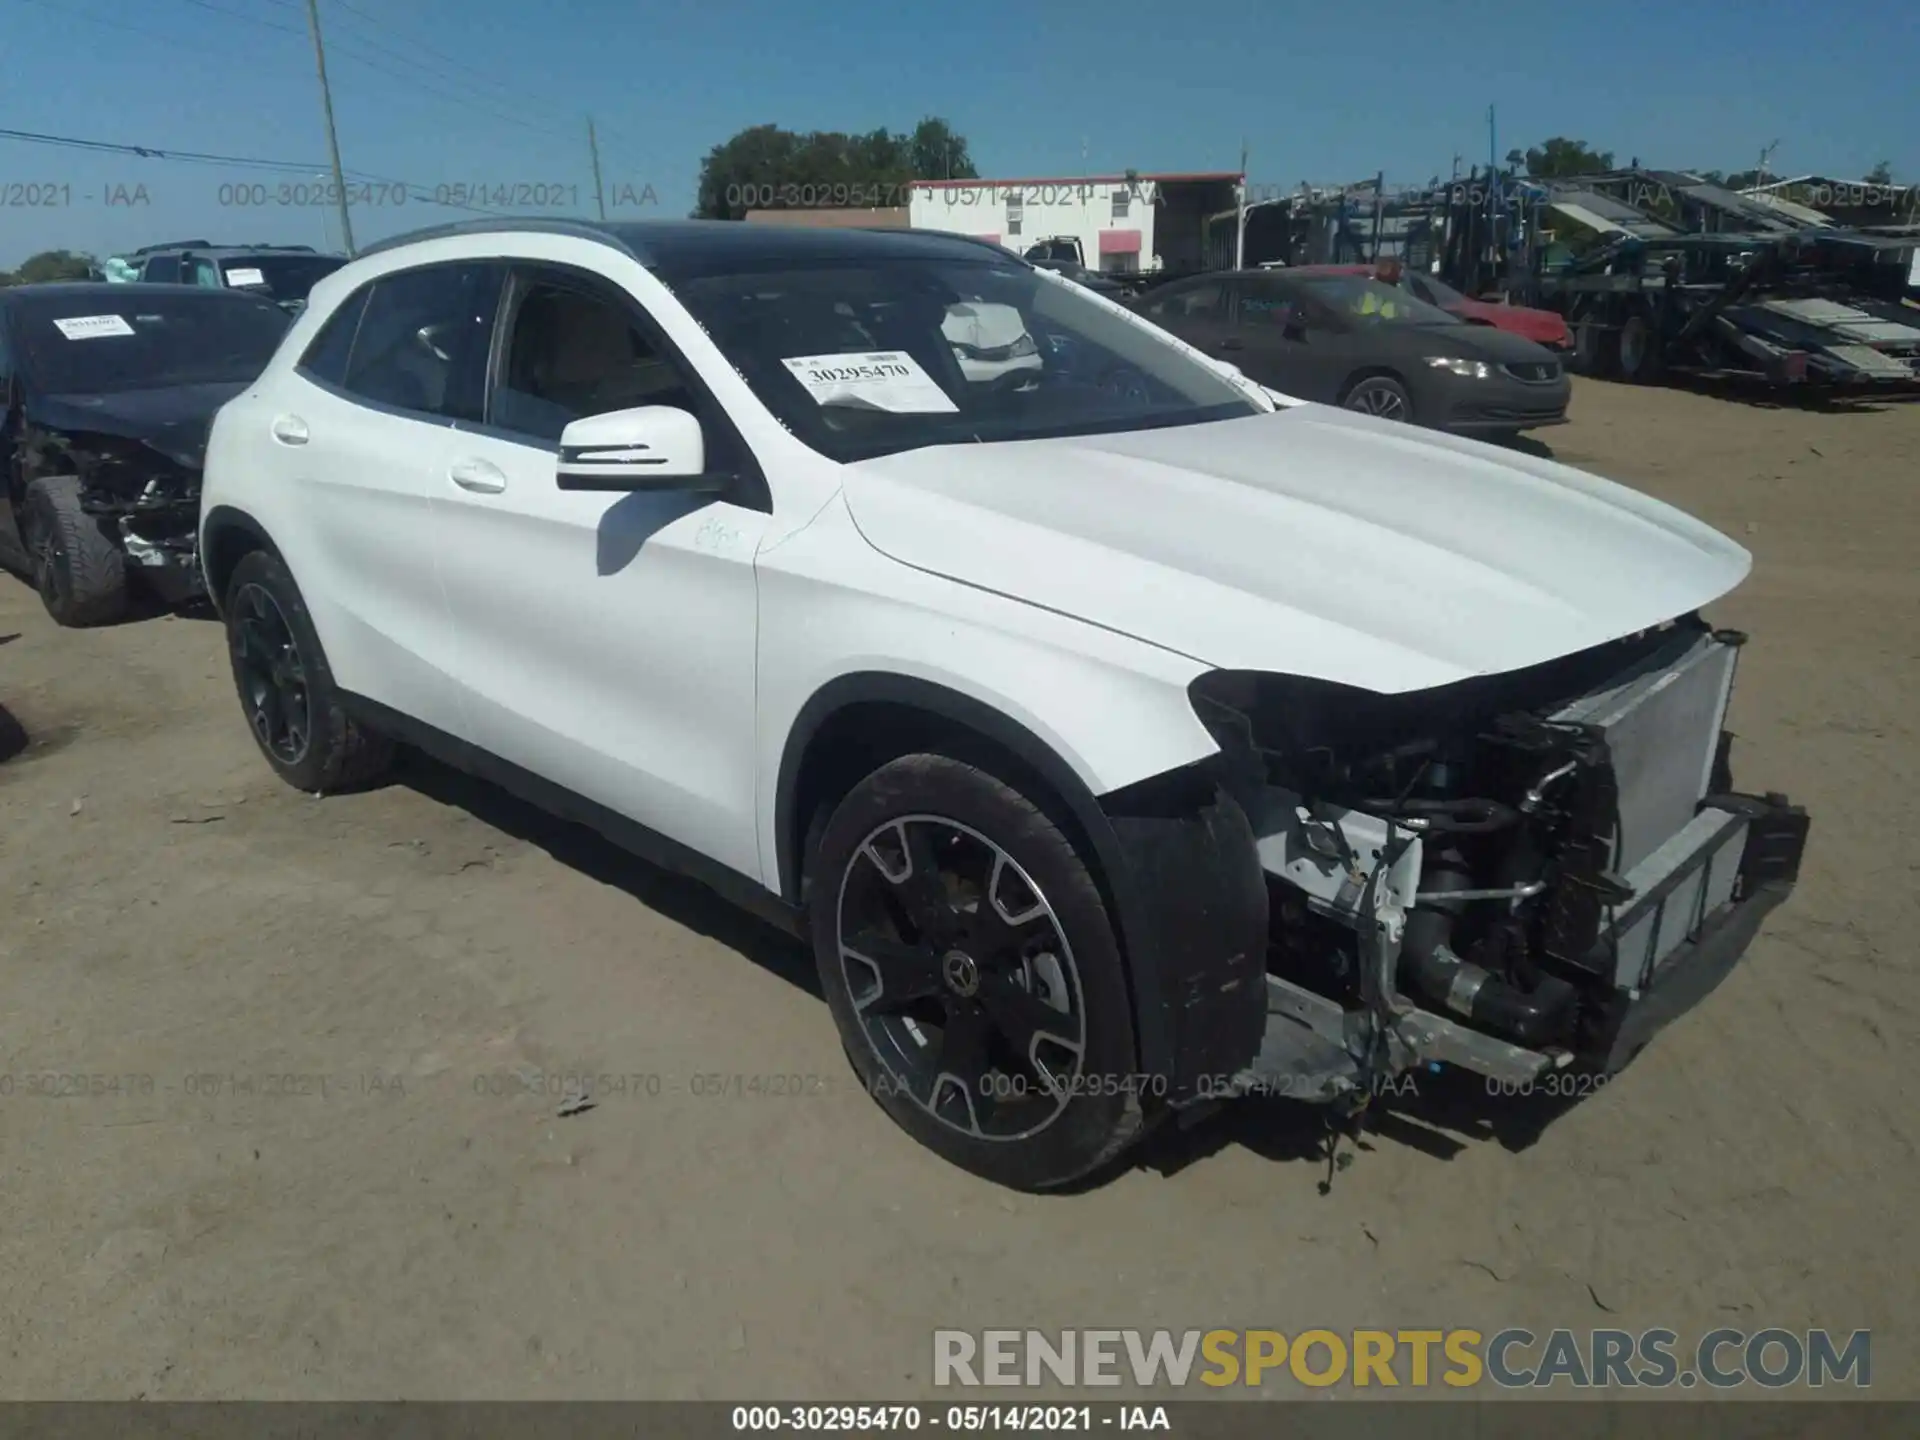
[654,447]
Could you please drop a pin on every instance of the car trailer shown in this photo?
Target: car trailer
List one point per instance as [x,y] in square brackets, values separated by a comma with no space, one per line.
[1689,278]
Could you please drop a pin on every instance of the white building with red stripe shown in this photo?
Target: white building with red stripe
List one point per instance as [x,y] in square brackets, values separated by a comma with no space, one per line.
[1123,223]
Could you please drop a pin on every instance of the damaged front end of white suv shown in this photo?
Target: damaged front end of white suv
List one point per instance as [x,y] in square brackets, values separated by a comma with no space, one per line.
[1514,874]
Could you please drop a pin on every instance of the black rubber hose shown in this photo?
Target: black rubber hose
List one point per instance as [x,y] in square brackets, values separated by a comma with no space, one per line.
[1448,983]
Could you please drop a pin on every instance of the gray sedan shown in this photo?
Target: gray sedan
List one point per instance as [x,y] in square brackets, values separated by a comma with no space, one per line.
[1350,340]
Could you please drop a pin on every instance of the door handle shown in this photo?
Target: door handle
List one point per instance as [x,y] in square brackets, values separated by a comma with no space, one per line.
[289,430]
[478,476]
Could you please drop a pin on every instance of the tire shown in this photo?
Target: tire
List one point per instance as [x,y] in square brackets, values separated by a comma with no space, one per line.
[1639,350]
[1032,958]
[286,688]
[79,571]
[1381,396]
[1596,349]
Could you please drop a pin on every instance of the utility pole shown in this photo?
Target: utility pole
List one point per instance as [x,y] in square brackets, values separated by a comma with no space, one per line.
[593,149]
[333,139]
[1240,212]
[1766,156]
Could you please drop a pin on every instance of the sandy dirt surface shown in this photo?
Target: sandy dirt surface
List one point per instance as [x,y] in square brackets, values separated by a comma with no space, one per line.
[314,1154]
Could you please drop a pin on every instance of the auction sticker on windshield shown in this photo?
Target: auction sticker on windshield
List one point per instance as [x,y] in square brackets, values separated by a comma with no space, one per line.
[245,277]
[883,380]
[91,327]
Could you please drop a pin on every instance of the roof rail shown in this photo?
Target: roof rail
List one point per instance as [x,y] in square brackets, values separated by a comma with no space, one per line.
[491,225]
[173,245]
[1000,251]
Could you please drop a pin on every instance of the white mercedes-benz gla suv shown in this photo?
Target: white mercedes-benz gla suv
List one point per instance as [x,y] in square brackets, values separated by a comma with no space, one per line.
[1122,737]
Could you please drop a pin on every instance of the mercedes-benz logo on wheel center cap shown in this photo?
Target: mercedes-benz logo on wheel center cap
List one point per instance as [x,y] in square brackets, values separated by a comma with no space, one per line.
[962,975]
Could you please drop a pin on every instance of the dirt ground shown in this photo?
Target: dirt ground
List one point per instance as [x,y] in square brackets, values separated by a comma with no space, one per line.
[314,1156]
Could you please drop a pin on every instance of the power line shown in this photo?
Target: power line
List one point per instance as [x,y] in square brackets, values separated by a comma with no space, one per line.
[201,157]
[173,41]
[468,74]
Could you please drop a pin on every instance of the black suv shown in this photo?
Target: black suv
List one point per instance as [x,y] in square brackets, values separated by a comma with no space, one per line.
[285,274]
[107,392]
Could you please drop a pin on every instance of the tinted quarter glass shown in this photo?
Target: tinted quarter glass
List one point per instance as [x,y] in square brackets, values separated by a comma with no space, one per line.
[422,343]
[326,357]
[162,270]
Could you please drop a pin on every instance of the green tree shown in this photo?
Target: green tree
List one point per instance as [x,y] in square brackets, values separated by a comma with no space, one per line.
[1881,174]
[1561,158]
[938,153]
[766,167]
[50,265]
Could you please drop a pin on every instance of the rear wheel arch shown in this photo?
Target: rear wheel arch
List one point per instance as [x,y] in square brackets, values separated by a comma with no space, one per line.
[228,536]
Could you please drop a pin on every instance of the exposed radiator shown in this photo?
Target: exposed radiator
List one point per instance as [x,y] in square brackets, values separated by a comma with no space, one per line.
[1663,721]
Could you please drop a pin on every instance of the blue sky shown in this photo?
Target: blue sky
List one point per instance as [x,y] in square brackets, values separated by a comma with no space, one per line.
[439,93]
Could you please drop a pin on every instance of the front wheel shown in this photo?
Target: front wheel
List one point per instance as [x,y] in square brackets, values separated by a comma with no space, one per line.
[974,974]
[1381,396]
[80,573]
[286,687]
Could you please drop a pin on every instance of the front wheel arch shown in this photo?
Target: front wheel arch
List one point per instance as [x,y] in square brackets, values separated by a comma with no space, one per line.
[1191,952]
[856,723]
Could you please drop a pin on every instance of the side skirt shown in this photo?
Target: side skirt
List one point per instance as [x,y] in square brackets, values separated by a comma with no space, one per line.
[637,839]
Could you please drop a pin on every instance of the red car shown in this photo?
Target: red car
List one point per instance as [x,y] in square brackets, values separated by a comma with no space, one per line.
[1543,327]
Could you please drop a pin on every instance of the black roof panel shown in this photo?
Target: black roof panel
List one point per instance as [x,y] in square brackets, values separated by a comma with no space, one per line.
[704,244]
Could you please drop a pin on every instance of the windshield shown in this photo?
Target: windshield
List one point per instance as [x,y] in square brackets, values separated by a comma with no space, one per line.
[1366,301]
[284,277]
[870,357]
[107,343]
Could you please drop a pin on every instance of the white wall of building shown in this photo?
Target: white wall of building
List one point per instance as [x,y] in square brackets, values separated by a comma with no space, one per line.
[1019,214]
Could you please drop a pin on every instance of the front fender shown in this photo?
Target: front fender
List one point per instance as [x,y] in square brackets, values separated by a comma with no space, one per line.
[1094,713]
[1110,710]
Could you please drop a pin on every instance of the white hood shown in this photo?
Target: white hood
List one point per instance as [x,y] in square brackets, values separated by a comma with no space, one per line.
[1311,541]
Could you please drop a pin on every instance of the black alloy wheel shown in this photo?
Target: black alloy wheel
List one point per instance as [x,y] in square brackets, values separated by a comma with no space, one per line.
[287,693]
[974,973]
[272,677]
[962,977]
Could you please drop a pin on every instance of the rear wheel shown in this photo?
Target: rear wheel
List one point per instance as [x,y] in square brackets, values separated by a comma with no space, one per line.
[286,687]
[80,573]
[1381,396]
[973,972]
